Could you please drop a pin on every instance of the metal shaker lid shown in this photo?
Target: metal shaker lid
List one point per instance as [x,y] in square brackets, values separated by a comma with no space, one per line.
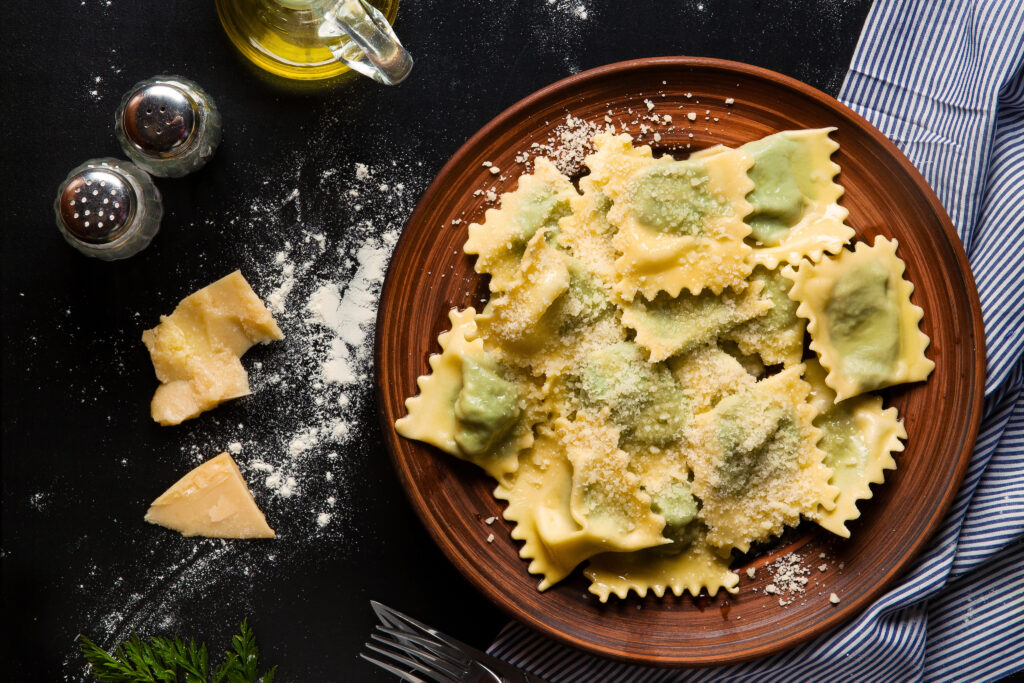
[160,117]
[97,204]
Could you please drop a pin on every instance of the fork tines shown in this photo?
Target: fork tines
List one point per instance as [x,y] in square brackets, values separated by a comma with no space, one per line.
[415,652]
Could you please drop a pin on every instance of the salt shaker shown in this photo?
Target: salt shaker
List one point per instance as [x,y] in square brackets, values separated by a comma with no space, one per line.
[168,125]
[108,209]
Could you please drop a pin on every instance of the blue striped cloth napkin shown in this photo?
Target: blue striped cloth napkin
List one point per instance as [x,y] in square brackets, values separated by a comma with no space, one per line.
[944,80]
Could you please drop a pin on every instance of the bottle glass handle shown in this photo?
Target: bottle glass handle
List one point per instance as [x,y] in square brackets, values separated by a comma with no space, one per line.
[359,35]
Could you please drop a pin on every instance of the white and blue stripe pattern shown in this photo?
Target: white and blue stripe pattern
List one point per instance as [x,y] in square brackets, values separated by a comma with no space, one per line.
[944,80]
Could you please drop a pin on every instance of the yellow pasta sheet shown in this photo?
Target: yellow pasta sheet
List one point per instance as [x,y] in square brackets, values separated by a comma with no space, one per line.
[777,334]
[709,374]
[670,326]
[858,439]
[574,497]
[693,569]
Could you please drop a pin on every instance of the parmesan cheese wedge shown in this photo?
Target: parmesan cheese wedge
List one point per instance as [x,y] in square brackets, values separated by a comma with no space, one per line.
[212,500]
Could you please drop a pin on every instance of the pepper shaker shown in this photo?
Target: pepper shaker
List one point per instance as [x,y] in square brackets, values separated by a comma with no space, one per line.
[168,125]
[108,209]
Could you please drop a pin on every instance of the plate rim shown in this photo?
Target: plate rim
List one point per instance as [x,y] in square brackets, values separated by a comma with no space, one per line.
[975,406]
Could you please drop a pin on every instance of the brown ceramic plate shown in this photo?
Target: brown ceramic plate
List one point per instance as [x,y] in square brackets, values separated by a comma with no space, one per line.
[429,274]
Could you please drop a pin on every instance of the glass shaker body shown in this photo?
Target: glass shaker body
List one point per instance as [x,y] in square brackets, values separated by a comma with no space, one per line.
[168,126]
[108,209]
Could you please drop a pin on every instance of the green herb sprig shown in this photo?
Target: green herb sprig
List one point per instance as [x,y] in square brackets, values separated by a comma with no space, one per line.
[172,660]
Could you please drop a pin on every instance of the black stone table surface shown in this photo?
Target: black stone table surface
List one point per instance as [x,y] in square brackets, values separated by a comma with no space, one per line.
[305,196]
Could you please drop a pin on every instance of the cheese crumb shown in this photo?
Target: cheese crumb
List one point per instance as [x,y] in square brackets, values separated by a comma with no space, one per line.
[692,116]
[495,170]
[490,520]
[822,567]
[490,539]
[834,599]
[751,572]
[729,100]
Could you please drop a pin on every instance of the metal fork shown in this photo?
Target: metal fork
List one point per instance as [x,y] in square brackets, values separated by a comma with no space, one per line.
[419,654]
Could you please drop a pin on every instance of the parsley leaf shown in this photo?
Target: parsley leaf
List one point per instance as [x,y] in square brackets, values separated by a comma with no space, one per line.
[172,660]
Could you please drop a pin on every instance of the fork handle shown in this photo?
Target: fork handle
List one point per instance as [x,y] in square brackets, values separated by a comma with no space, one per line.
[480,672]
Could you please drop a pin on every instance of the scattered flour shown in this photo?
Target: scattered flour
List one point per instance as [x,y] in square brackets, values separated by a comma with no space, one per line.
[349,311]
[303,441]
[567,22]
[575,9]
[319,262]
[324,283]
[276,299]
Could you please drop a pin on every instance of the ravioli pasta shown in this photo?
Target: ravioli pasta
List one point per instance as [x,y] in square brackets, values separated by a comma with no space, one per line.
[638,384]
[467,408]
[794,202]
[858,439]
[862,323]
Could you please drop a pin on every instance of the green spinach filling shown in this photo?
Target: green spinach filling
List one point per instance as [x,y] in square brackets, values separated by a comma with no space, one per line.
[540,208]
[674,197]
[486,408]
[643,399]
[758,438]
[782,175]
[679,508]
[863,323]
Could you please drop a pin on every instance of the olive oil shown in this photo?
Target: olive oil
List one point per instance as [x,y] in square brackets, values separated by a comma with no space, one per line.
[280,36]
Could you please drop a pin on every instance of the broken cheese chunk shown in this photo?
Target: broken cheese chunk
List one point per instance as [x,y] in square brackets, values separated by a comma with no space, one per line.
[196,349]
[212,500]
